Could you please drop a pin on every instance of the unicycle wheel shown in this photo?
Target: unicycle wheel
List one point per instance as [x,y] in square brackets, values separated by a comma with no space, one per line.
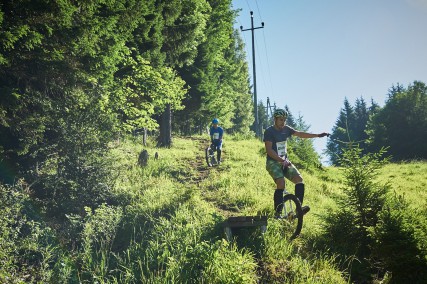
[292,216]
[208,156]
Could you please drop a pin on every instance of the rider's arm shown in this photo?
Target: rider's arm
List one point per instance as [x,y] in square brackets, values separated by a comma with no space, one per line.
[301,134]
[271,152]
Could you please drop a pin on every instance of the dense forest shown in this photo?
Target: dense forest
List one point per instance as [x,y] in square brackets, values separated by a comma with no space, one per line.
[79,77]
[75,76]
[400,126]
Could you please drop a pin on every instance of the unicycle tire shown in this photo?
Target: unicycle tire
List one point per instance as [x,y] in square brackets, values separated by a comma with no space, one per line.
[292,216]
[208,157]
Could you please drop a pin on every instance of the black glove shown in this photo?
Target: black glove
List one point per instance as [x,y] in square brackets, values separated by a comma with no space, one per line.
[323,134]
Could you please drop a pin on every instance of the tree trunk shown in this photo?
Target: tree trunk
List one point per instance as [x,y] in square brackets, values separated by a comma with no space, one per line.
[144,137]
[165,139]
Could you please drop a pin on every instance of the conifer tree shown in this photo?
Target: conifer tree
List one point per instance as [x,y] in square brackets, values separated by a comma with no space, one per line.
[402,123]
[342,132]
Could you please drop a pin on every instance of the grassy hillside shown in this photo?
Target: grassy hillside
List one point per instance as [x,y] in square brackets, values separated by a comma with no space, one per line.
[163,223]
[408,179]
[240,186]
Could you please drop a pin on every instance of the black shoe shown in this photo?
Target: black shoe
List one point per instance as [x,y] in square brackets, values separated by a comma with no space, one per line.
[292,215]
[305,209]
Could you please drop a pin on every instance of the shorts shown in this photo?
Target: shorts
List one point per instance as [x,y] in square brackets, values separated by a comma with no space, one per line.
[216,145]
[275,170]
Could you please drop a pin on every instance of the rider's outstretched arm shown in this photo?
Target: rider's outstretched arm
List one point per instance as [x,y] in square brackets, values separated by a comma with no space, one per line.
[301,134]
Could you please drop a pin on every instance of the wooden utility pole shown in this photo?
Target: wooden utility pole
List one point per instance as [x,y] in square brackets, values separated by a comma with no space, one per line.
[270,108]
[257,130]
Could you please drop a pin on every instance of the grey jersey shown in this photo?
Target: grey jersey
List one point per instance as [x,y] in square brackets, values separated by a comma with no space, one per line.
[278,138]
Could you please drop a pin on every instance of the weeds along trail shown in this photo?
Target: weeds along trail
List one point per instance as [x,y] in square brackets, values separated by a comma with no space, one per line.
[203,172]
[199,165]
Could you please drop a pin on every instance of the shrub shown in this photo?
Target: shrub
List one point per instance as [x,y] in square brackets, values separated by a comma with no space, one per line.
[347,229]
[98,235]
[400,242]
[28,249]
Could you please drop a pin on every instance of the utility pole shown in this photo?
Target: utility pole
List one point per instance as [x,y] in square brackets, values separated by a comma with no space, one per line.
[257,132]
[270,108]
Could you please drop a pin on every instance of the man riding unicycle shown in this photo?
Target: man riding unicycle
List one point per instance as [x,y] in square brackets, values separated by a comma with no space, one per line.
[216,134]
[278,165]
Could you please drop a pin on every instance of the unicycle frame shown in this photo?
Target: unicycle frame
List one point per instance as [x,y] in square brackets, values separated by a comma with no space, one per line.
[210,158]
[292,215]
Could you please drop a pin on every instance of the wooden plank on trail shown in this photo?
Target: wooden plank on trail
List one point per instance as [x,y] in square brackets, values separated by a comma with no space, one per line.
[244,221]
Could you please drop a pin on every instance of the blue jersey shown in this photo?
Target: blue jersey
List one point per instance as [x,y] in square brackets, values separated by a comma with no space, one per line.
[216,135]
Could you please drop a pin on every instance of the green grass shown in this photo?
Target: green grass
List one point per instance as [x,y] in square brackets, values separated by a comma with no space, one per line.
[408,179]
[242,186]
[185,202]
[164,222]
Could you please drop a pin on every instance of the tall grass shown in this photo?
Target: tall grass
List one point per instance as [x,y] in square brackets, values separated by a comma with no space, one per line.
[408,179]
[242,186]
[163,223]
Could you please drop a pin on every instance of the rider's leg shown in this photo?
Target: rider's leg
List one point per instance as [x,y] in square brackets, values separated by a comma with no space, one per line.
[299,191]
[294,175]
[212,150]
[278,196]
[218,152]
[299,187]
[274,168]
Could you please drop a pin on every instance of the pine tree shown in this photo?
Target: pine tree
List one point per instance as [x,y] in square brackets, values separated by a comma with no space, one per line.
[342,132]
[262,115]
[402,123]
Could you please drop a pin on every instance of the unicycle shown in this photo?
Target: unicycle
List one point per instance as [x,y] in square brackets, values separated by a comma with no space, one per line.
[291,216]
[210,156]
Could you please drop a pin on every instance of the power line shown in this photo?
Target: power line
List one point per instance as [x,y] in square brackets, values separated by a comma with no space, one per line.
[244,39]
[268,65]
[259,12]
[266,56]
[260,62]
[249,6]
[265,74]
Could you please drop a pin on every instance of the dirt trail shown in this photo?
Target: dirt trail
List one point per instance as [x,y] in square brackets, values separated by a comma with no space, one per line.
[202,170]
[202,173]
[199,163]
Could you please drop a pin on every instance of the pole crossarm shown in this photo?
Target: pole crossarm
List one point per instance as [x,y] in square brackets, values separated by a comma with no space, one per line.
[251,28]
[257,125]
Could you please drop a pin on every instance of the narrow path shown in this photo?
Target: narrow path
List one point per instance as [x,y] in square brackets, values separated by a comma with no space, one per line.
[199,163]
[202,172]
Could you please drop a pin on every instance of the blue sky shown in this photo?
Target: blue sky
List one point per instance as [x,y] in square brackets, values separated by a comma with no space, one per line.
[312,54]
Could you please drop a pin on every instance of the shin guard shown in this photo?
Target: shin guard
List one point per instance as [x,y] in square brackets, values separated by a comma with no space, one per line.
[299,191]
[278,201]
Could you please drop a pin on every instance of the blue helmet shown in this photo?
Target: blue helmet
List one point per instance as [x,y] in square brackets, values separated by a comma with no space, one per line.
[215,121]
